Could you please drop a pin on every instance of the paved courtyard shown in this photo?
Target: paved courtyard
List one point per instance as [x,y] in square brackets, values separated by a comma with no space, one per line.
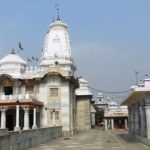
[93,140]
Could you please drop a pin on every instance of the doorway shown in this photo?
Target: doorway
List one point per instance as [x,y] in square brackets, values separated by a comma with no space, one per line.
[10,122]
[8,90]
[99,118]
[119,123]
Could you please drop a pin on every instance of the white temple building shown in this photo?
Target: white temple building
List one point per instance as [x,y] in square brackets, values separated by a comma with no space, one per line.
[110,114]
[138,103]
[44,96]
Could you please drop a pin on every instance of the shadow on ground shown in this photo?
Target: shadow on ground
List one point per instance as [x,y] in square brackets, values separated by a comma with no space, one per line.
[128,138]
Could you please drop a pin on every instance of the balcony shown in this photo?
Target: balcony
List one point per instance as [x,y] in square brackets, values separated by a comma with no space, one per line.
[18,97]
[26,99]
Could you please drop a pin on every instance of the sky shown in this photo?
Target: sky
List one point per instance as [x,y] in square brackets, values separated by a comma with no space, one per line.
[110,38]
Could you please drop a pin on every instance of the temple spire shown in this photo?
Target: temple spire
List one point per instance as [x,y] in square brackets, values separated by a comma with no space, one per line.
[13,51]
[57,8]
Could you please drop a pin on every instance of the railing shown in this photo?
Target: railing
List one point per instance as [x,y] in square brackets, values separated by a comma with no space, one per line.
[18,97]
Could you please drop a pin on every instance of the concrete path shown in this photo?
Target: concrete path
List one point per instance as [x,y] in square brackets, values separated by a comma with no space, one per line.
[95,139]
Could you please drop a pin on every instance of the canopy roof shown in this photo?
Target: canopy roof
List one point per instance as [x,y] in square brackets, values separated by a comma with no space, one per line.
[135,96]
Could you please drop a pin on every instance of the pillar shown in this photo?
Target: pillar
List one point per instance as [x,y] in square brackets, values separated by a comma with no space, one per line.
[34,119]
[3,117]
[126,123]
[93,119]
[17,127]
[137,119]
[26,118]
[129,117]
[147,109]
[112,123]
[142,120]
[132,123]
[105,124]
[131,120]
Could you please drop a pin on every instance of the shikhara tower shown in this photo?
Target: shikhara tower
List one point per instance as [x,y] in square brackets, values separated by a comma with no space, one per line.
[57,47]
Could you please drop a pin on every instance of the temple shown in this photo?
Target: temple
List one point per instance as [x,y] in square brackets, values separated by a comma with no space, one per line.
[42,95]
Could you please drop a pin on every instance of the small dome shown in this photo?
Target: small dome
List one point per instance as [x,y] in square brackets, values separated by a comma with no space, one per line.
[82,80]
[83,88]
[12,58]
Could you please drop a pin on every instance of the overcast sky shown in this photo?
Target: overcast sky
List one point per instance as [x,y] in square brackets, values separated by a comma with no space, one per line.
[110,38]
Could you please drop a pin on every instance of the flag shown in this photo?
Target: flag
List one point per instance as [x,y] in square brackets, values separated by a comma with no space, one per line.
[29,60]
[33,58]
[37,59]
[20,46]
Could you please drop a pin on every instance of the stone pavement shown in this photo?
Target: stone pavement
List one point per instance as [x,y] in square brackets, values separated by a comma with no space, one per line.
[95,139]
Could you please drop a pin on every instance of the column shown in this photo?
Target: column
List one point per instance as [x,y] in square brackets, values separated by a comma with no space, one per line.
[126,124]
[34,119]
[131,121]
[136,119]
[3,117]
[93,119]
[54,118]
[147,109]
[26,118]
[129,117]
[109,123]
[142,120]
[112,123]
[17,127]
[105,124]
[133,128]
[139,121]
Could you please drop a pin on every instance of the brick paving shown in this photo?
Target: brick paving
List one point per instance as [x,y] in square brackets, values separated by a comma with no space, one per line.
[95,139]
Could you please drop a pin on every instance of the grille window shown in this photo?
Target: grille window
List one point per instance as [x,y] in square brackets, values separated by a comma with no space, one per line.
[57,115]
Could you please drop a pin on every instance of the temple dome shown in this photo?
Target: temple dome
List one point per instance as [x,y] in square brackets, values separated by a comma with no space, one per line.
[13,65]
[13,59]
[84,88]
